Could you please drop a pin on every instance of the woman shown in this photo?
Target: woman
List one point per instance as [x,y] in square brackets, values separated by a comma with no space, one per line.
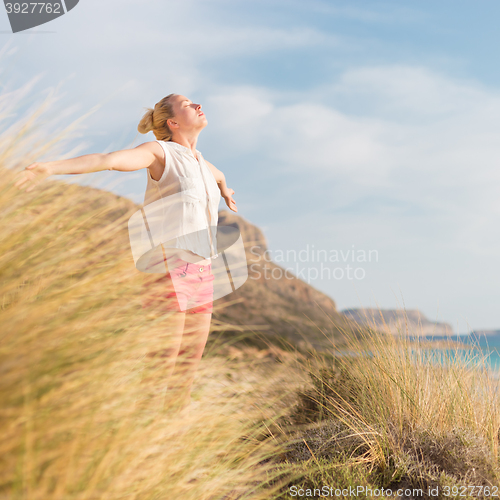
[176,123]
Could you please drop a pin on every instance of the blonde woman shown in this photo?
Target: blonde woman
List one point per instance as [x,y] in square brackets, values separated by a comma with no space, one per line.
[173,164]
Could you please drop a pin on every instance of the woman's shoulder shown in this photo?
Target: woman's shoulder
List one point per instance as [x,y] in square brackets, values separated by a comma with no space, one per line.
[159,168]
[156,147]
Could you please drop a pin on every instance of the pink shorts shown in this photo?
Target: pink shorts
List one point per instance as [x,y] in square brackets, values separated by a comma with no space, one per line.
[186,288]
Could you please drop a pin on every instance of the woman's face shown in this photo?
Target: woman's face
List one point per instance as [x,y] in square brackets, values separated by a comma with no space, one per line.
[188,115]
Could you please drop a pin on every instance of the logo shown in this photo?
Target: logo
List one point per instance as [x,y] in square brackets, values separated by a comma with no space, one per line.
[26,15]
[162,227]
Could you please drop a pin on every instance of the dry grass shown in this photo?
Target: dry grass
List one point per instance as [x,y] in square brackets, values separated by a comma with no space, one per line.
[74,345]
[401,417]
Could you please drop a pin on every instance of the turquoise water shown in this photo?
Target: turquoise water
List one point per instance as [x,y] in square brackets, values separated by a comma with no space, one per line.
[485,346]
[482,351]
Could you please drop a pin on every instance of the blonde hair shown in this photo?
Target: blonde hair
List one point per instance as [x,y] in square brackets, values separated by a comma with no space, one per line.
[156,120]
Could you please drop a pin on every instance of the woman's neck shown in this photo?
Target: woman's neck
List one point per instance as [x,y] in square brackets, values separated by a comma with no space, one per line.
[186,140]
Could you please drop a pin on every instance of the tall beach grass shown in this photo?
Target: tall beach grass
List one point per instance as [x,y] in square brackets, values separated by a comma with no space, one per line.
[393,414]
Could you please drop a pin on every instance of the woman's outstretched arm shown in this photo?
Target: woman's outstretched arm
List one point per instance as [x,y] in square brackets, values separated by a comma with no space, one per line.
[126,160]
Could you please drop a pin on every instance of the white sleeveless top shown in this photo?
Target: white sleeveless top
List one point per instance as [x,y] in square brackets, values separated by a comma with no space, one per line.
[195,226]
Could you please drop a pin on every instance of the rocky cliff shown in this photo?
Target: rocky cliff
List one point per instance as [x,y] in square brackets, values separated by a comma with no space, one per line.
[398,321]
[480,333]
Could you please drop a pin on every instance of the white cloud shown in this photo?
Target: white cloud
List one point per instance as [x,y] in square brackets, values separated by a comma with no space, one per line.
[442,159]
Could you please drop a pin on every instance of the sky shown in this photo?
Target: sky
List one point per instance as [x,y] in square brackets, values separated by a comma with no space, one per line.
[363,134]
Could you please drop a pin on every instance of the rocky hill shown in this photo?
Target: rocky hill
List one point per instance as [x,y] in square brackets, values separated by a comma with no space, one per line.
[485,332]
[398,320]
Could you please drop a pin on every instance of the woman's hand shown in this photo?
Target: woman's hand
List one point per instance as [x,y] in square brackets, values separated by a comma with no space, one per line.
[31,176]
[227,195]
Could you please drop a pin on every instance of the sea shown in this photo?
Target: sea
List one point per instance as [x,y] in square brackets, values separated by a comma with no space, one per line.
[483,349]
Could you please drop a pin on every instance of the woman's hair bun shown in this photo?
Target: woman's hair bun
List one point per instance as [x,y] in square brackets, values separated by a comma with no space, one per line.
[146,123]
[162,111]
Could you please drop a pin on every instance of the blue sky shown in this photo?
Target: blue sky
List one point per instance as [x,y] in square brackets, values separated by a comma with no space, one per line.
[341,126]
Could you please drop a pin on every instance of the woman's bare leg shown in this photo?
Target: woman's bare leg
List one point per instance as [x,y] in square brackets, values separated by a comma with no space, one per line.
[194,339]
